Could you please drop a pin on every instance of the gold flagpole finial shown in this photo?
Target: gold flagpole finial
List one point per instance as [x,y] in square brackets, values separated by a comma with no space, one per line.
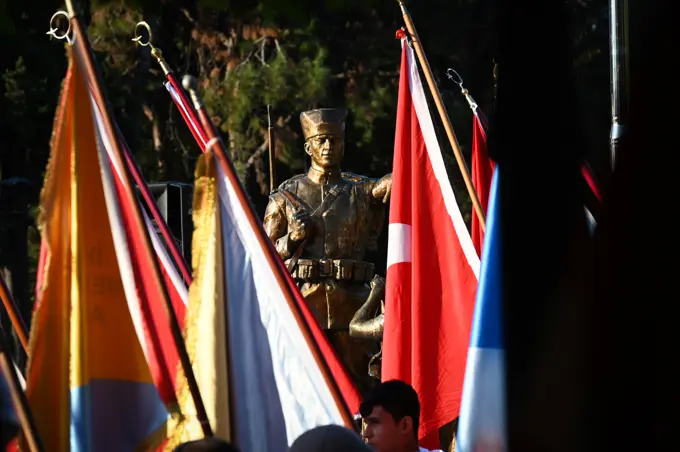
[52,33]
[155,51]
[138,36]
[455,77]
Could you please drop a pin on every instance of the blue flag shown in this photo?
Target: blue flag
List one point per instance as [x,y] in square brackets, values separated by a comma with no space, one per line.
[482,415]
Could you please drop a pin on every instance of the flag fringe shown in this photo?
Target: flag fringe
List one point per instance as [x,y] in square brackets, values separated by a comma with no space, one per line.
[47,197]
[185,427]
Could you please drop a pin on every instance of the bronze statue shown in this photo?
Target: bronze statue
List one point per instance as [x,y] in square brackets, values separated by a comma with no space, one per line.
[322,223]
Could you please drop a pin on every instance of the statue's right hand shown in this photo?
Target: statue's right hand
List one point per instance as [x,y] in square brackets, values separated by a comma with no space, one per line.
[300,227]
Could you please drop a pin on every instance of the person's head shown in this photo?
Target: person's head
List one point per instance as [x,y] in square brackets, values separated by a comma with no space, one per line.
[391,413]
[329,438]
[206,445]
[324,131]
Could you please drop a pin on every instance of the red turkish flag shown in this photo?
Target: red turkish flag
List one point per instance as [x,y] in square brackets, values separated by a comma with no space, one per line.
[482,171]
[432,266]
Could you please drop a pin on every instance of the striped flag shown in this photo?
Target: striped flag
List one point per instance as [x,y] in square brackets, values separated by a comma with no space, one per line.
[144,300]
[432,266]
[481,426]
[88,385]
[264,375]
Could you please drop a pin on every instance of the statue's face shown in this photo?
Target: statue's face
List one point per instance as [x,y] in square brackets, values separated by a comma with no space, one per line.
[326,150]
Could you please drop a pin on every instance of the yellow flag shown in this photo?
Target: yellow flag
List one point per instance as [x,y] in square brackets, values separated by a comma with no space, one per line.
[205,324]
[88,383]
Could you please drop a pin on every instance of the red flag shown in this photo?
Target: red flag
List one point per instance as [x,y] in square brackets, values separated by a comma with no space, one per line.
[482,171]
[432,266]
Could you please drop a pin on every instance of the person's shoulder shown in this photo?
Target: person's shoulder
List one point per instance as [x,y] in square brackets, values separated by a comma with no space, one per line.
[362,185]
[356,179]
[289,186]
[290,183]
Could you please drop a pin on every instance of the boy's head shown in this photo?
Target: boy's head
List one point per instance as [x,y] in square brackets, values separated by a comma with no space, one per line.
[391,414]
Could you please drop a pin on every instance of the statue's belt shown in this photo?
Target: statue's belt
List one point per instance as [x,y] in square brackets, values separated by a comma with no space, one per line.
[339,269]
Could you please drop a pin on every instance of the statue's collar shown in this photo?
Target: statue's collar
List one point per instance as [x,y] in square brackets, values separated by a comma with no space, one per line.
[324,177]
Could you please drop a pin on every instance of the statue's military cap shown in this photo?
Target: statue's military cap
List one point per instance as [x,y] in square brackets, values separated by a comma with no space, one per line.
[323,121]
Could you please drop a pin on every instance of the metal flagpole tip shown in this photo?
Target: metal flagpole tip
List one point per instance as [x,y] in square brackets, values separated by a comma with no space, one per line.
[155,51]
[190,83]
[138,36]
[454,77]
[52,33]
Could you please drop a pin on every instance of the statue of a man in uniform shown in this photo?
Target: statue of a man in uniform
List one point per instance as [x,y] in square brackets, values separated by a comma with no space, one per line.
[322,224]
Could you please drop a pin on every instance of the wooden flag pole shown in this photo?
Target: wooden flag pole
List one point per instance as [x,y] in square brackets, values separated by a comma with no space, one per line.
[270,134]
[14,316]
[83,43]
[19,399]
[443,113]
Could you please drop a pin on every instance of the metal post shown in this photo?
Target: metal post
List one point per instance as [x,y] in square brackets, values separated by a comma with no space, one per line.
[619,71]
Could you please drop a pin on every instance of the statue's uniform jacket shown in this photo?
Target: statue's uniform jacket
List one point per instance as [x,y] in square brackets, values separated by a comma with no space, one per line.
[331,272]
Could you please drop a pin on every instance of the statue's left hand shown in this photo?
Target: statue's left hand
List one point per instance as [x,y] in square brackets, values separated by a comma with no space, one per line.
[383,189]
[378,283]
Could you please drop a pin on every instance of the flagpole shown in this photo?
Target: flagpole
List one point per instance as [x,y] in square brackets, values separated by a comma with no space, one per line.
[13,313]
[443,113]
[19,399]
[455,77]
[270,133]
[155,212]
[190,84]
[619,85]
[188,113]
[81,40]
[217,146]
